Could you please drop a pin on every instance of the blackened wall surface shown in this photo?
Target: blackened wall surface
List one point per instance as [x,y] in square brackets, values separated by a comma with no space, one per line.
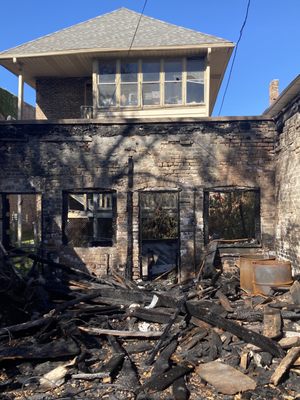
[188,156]
[288,184]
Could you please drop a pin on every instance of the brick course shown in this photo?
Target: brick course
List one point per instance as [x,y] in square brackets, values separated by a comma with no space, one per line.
[288,185]
[60,98]
[190,157]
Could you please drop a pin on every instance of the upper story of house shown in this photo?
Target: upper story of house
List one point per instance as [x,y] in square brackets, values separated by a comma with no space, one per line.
[121,65]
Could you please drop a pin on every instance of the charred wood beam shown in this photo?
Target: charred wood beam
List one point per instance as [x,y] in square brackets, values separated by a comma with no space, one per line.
[162,363]
[150,315]
[26,327]
[53,350]
[248,336]
[180,390]
[158,383]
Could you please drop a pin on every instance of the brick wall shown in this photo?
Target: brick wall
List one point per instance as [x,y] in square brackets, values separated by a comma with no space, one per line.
[189,157]
[288,185]
[60,98]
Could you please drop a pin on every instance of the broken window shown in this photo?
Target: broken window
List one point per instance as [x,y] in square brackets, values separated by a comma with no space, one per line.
[21,219]
[232,213]
[89,219]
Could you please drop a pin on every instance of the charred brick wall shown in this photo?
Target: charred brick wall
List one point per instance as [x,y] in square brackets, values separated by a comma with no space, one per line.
[288,185]
[188,156]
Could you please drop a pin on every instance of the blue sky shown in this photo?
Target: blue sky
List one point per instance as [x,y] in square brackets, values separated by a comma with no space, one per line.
[269,49]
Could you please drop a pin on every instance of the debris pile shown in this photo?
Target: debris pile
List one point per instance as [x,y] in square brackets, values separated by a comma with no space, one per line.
[68,335]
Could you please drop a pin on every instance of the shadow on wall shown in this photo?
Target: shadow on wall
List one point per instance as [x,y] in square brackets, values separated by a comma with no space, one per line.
[65,157]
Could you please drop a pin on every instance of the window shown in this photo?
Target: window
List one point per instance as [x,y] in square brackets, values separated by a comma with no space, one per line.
[89,219]
[232,213]
[195,81]
[150,82]
[107,84]
[21,219]
[173,81]
[129,83]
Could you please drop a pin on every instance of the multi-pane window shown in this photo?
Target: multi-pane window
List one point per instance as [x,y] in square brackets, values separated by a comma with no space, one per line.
[173,81]
[150,82]
[107,84]
[89,219]
[129,83]
[195,80]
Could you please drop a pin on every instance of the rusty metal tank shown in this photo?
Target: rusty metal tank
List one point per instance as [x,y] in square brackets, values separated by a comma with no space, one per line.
[271,273]
[246,270]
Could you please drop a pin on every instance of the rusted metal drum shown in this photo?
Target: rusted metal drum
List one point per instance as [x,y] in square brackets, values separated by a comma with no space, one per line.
[271,273]
[246,270]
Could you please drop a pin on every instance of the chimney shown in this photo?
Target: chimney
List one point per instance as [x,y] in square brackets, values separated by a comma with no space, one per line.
[273,91]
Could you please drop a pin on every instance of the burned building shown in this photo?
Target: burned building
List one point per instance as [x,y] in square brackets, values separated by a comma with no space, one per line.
[124,168]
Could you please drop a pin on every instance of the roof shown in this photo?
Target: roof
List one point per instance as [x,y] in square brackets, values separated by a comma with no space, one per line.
[289,93]
[115,30]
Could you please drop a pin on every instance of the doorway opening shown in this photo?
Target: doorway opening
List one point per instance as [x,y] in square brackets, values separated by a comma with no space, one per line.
[159,232]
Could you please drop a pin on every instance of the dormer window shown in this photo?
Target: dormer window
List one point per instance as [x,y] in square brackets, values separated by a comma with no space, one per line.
[146,83]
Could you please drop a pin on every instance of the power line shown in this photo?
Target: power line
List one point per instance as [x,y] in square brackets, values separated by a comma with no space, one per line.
[132,41]
[234,56]
[137,27]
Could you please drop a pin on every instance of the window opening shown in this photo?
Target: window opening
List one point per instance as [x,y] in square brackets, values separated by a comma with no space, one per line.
[21,219]
[232,214]
[89,219]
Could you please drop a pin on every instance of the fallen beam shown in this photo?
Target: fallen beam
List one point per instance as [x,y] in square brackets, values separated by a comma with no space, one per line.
[247,335]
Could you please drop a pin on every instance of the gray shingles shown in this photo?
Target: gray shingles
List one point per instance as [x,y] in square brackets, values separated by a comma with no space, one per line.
[115,30]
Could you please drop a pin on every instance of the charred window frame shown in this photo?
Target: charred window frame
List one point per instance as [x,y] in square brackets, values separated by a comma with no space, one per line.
[21,219]
[89,218]
[159,215]
[230,212]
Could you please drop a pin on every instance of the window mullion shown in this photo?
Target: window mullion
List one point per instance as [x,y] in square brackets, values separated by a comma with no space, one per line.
[184,77]
[118,82]
[140,83]
[161,83]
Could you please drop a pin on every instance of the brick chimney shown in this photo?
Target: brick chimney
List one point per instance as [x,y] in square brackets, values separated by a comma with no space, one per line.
[273,91]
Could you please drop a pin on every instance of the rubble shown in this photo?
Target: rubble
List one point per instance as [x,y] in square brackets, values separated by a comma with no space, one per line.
[66,334]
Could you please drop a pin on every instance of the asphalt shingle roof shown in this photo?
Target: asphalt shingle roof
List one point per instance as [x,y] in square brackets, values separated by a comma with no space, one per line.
[115,30]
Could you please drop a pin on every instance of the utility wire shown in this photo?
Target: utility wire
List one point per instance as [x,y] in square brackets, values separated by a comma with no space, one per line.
[234,56]
[137,27]
[132,40]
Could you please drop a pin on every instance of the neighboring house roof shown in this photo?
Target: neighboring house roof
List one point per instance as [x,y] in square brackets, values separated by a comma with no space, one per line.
[115,30]
[289,93]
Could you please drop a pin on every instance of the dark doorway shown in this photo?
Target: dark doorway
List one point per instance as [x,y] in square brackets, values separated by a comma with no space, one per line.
[159,232]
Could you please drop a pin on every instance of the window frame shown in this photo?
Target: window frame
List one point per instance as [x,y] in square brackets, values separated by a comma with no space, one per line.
[257,220]
[5,223]
[65,210]
[140,82]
